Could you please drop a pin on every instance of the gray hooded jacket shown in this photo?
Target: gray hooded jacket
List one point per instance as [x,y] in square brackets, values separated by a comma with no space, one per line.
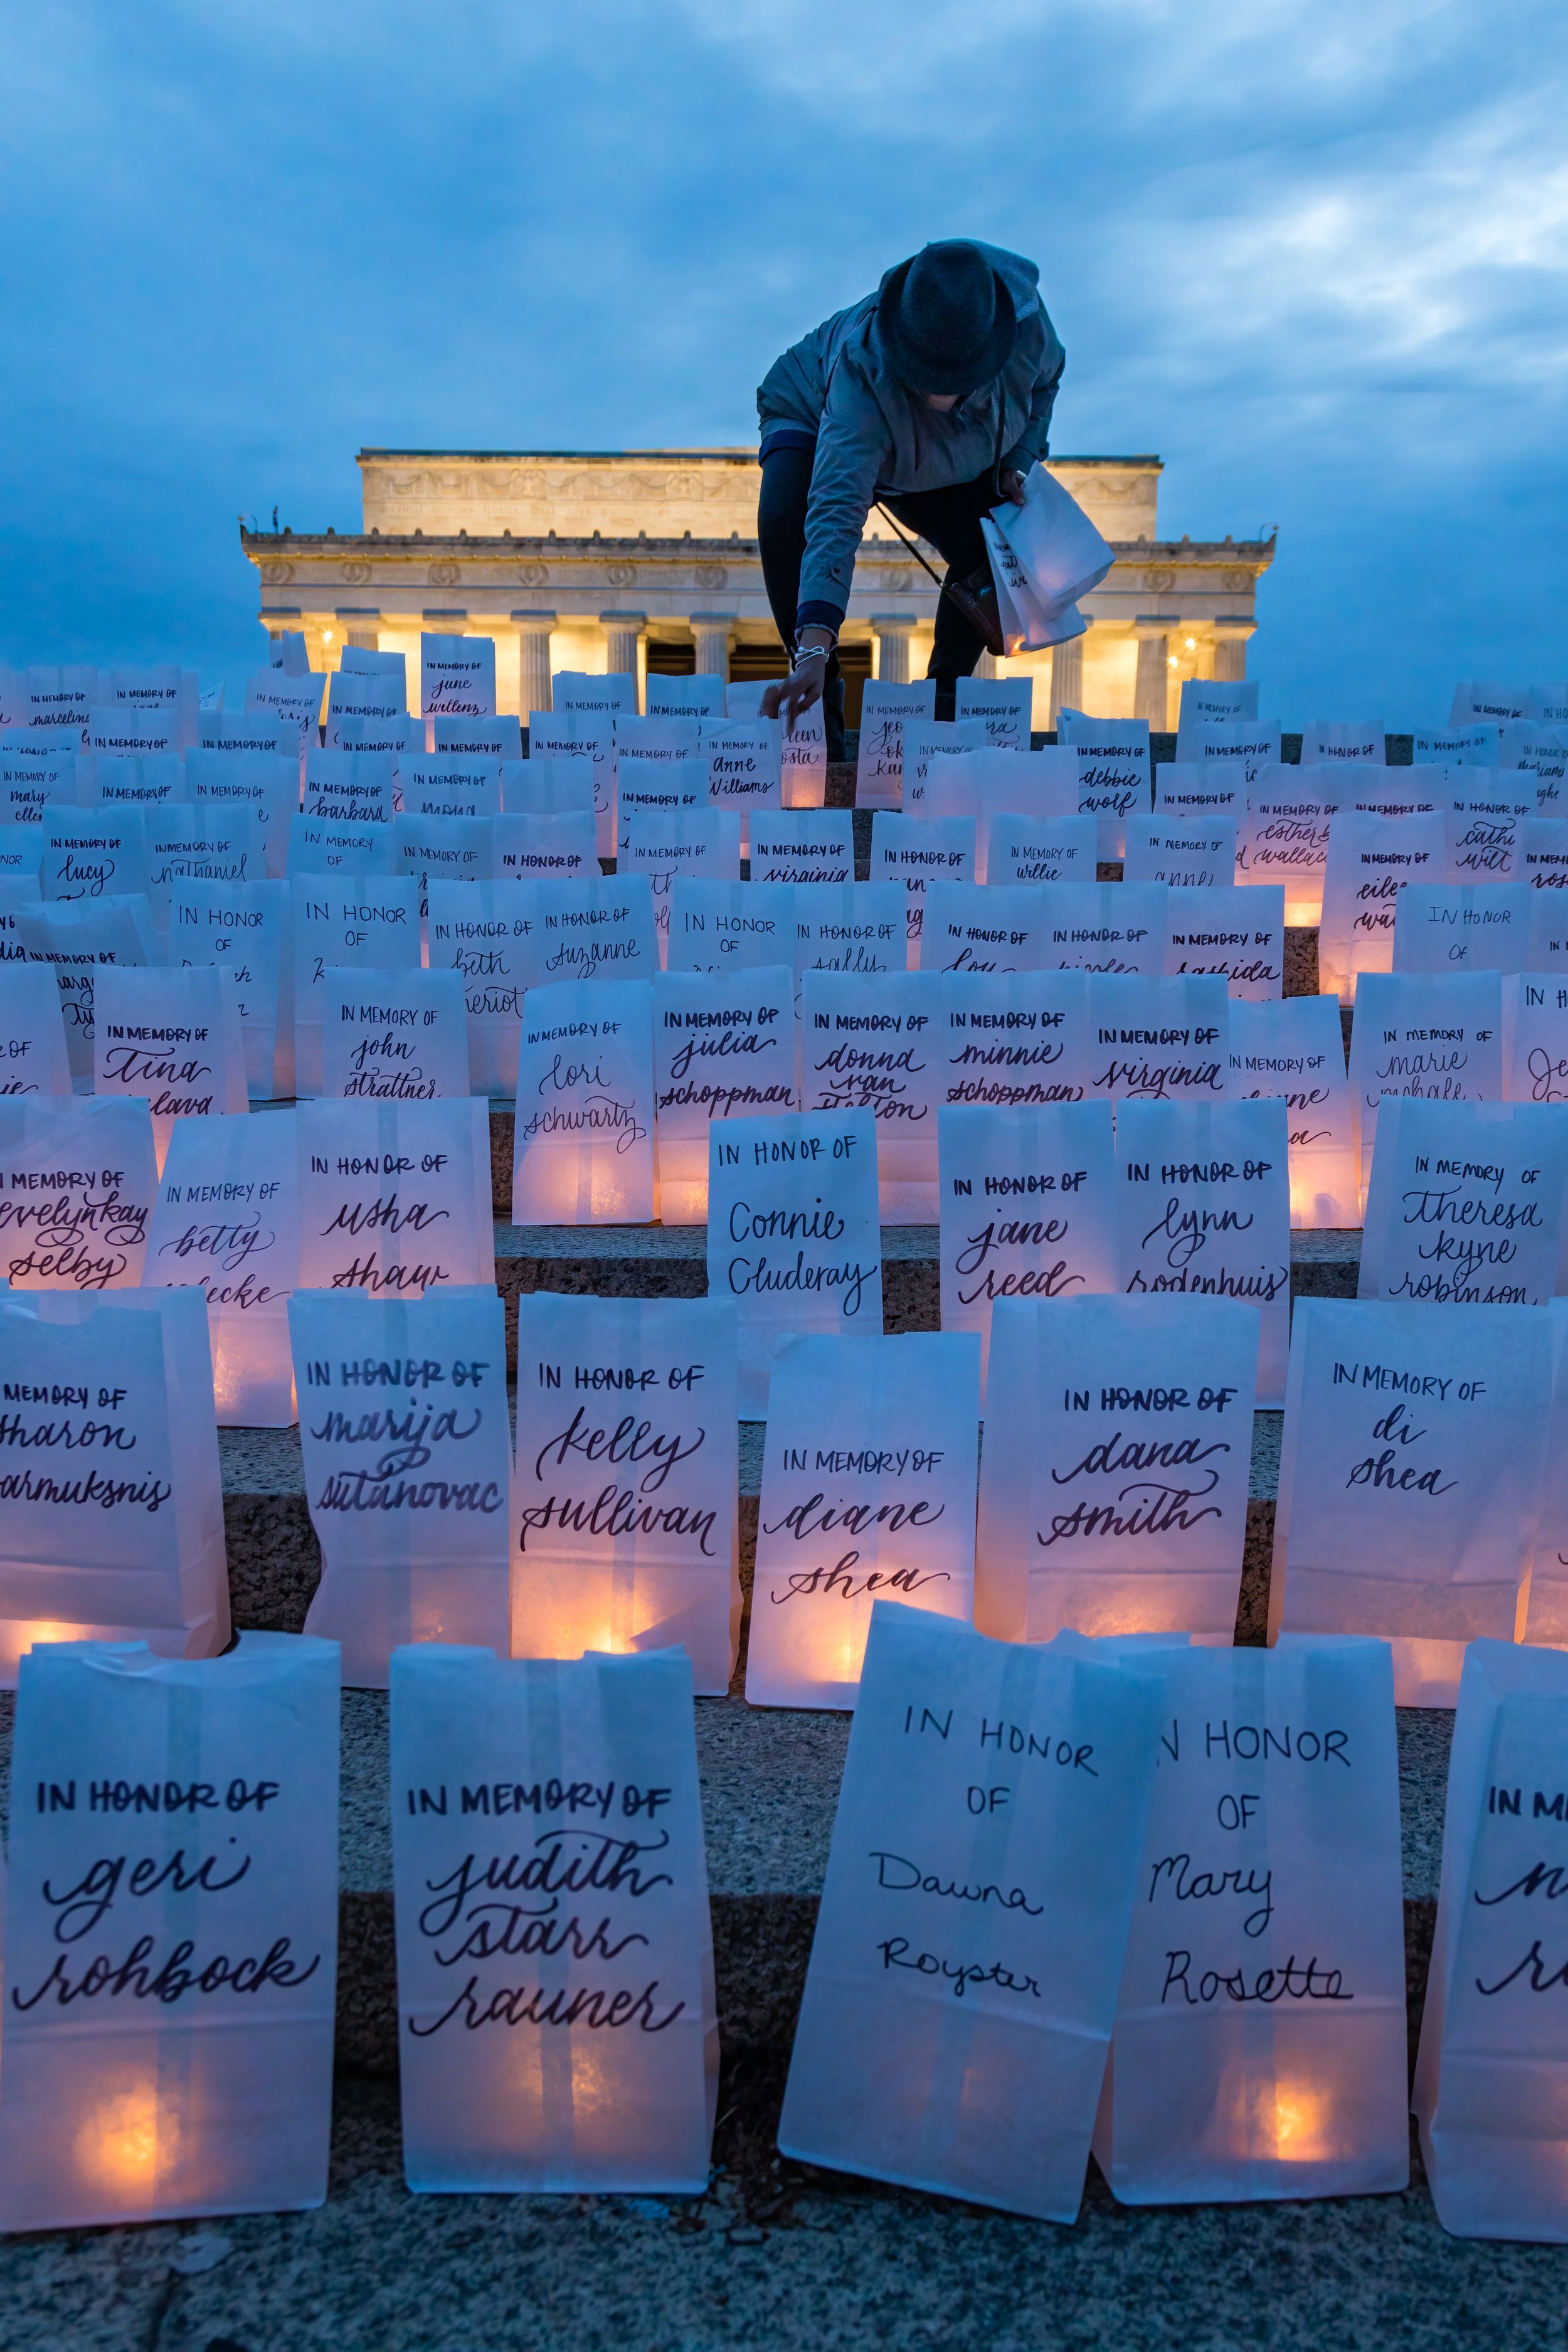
[873,435]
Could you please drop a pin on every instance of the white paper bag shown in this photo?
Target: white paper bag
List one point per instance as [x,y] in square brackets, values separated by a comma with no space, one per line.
[78,1179]
[1204,1195]
[394,1036]
[803,751]
[1369,860]
[445,849]
[1293,1049]
[199,844]
[1118,1456]
[1014,1040]
[450,783]
[1098,927]
[663,844]
[318,846]
[588,692]
[1288,815]
[548,783]
[360,694]
[990,783]
[934,748]
[1158,1040]
[1488,2079]
[171,1034]
[92,852]
[245,928]
[1465,738]
[1465,1207]
[875,1043]
[526,847]
[481,931]
[916,853]
[953,2046]
[743,757]
[869,1477]
[794,1234]
[1535,1039]
[350,787]
[1024,622]
[1005,705]
[985,927]
[854,927]
[628,1534]
[37,771]
[1409,1479]
[1113,780]
[81,939]
[1443,927]
[668,743]
[1241,746]
[588,733]
[1440,1039]
[117,728]
[1028,1209]
[730,926]
[407,1485]
[1343,738]
[33,1059]
[600,928]
[592,2065]
[361,922]
[1484,828]
[1192,854]
[1236,930]
[227,1222]
[1038,849]
[197,1804]
[60,696]
[145,780]
[803,845]
[723,1047]
[457,675]
[395,1198]
[1259,2043]
[879,764]
[583,1150]
[699,695]
[279,694]
[263,785]
[1193,789]
[113,1529]
[1062,553]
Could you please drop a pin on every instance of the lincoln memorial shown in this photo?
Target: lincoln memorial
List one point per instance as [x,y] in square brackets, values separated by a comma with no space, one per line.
[647,560]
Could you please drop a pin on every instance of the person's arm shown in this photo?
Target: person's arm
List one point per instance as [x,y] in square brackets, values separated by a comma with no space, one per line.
[843,474]
[803,686]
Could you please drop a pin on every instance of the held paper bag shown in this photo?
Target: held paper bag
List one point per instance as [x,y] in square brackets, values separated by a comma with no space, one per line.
[876,1044]
[1489,2077]
[1437,1039]
[408,1484]
[1061,553]
[803,751]
[723,1047]
[1259,2049]
[1294,1050]
[1028,1209]
[199,2081]
[113,1545]
[78,1180]
[793,1236]
[1013,1040]
[1118,1455]
[227,1222]
[33,1059]
[394,1036]
[1465,1207]
[590,2066]
[1204,1195]
[869,1477]
[947,2051]
[395,1198]
[583,1150]
[1409,1479]
[624,1504]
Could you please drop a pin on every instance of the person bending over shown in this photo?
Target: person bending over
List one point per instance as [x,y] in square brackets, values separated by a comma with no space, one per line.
[931,397]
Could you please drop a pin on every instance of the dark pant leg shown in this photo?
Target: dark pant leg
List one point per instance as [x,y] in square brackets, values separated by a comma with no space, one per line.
[950,520]
[781,534]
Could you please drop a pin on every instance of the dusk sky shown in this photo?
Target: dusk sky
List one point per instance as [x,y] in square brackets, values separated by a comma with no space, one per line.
[1312,255]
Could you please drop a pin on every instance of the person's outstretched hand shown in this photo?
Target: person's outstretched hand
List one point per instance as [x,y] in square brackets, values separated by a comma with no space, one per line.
[1013,486]
[796,693]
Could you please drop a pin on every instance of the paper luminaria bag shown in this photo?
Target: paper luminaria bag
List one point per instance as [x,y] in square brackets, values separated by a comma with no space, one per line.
[960,2047]
[394,1036]
[584,1151]
[1259,2049]
[879,767]
[81,938]
[33,1058]
[406,1436]
[227,1222]
[627,1528]
[394,1197]
[1293,1048]
[1370,859]
[214,2095]
[1410,1479]
[1466,1202]
[1422,1036]
[1013,1040]
[723,1047]
[1114,1482]
[124,1542]
[576,2050]
[171,1034]
[78,1179]
[868,1488]
[874,1043]
[794,1234]
[1490,2075]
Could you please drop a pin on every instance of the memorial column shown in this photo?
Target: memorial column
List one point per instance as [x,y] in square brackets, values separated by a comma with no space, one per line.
[1231,632]
[892,633]
[1151,690]
[1067,677]
[713,634]
[532,660]
[624,633]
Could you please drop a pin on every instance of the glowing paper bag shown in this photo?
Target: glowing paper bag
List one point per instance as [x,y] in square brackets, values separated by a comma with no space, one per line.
[1492,2071]
[1062,553]
[481,931]
[361,922]
[803,751]
[589,691]
[723,1047]
[407,1455]
[394,1036]
[207,845]
[730,926]
[78,1179]
[1288,815]
[1012,1040]
[1294,1049]
[743,758]
[917,852]
[803,845]
[645,744]
[1465,1207]
[1409,1479]
[219,1898]
[593,2064]
[227,1221]
[322,845]
[1238,932]
[584,1151]
[548,783]
[1192,788]
[1106,927]
[933,747]
[1191,853]
[1218,2088]
[375,695]
[450,784]
[1113,779]
[82,938]
[868,1488]
[794,1236]
[1445,926]
[665,843]
[279,694]
[699,694]
[983,927]
[443,849]
[113,1529]
[1028,1210]
[526,847]
[879,765]
[1005,705]
[1369,860]
[1118,1456]
[1205,1194]
[394,1197]
[245,928]
[875,1043]
[852,927]
[947,2051]
[1038,849]
[1415,1033]
[625,1503]
[986,784]
[457,675]
[86,853]
[601,927]
[1158,1040]
[33,1058]
[172,1031]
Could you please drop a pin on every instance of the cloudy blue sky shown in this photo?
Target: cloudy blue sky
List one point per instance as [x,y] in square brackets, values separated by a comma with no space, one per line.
[1313,252]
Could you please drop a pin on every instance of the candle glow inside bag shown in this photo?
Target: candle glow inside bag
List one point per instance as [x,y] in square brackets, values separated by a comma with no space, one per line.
[1370,859]
[584,1149]
[227,1222]
[723,1047]
[875,1043]
[1293,1048]
[1465,1207]
[213,2096]
[1236,930]
[78,1179]
[395,1198]
[624,1501]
